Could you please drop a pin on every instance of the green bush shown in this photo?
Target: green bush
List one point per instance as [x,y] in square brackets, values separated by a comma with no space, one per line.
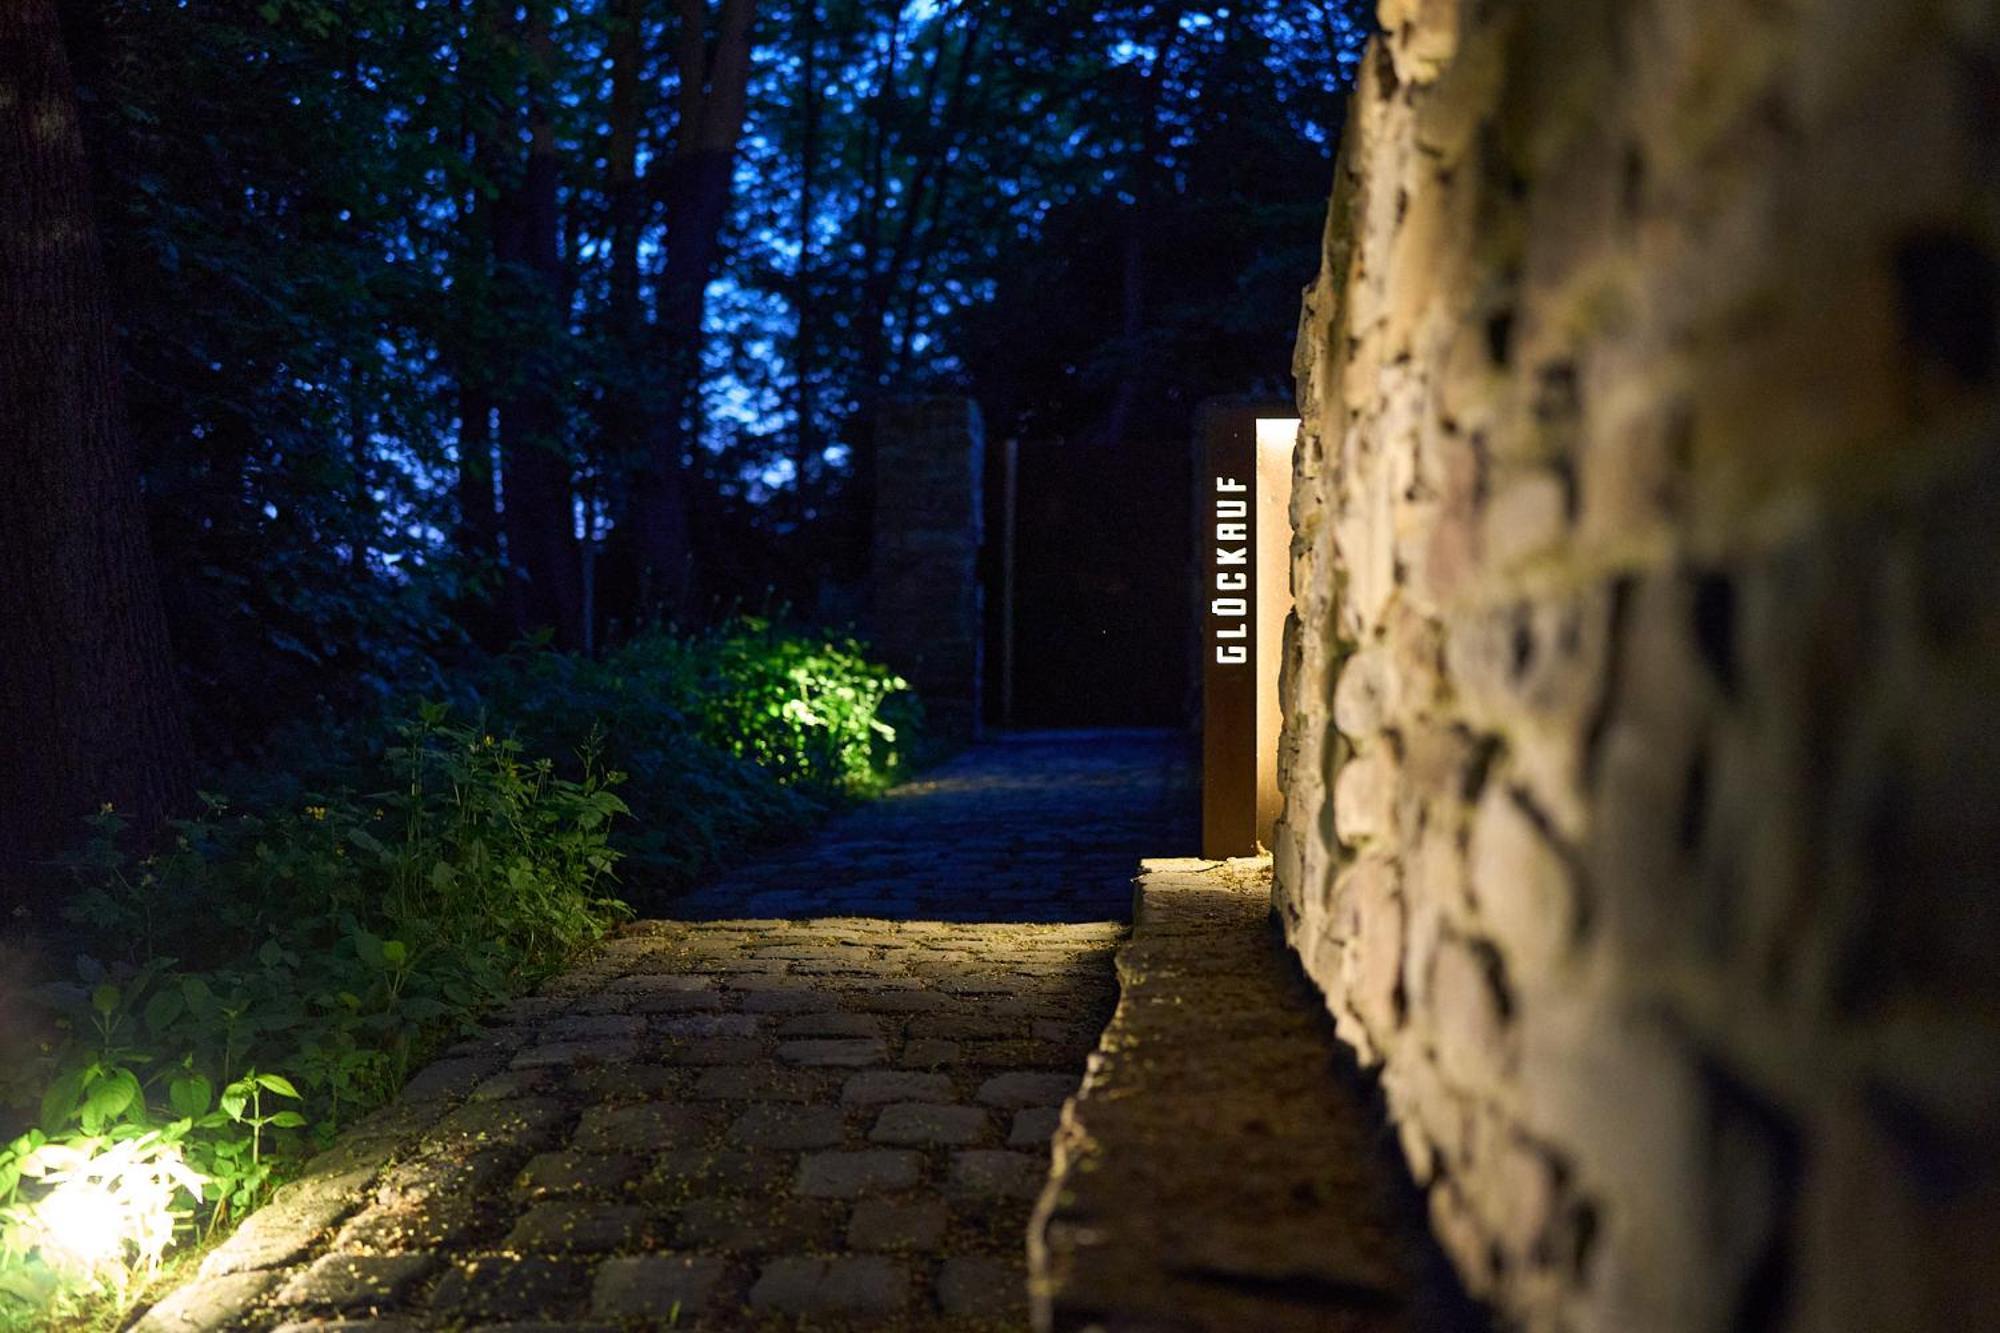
[728,739]
[276,966]
[817,715]
[271,973]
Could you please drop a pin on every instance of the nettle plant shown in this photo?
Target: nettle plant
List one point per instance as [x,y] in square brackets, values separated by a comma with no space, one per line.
[181,1077]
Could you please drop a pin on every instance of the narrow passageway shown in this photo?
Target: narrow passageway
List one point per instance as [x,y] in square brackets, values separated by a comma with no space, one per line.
[821,1094]
[1036,826]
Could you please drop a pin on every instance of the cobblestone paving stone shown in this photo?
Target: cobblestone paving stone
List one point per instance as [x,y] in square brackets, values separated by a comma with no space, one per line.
[820,1096]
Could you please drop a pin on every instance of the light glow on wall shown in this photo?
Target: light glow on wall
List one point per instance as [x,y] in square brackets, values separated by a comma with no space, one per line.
[1277,435]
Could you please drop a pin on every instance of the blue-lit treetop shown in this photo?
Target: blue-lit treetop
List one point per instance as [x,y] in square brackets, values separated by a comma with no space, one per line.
[447,319]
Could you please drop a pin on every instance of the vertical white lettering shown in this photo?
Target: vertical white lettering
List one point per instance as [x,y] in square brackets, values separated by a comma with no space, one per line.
[1231,613]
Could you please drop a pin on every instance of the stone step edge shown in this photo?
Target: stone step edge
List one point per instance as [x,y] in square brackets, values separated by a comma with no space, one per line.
[1223,1164]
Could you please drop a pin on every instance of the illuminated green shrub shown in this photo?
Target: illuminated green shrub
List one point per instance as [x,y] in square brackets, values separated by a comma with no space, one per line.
[278,965]
[727,739]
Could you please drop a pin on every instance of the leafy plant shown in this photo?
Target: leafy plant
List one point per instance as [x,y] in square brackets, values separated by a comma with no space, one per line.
[276,967]
[728,738]
[380,920]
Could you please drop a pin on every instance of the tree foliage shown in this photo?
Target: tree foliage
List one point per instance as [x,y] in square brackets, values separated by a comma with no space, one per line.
[382,266]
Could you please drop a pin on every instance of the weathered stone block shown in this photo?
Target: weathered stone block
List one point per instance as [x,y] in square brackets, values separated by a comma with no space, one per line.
[884,1085]
[752,1225]
[509,1288]
[1024,1087]
[848,1175]
[1033,1127]
[357,1281]
[998,1173]
[642,1127]
[924,581]
[880,1224]
[972,1287]
[918,1123]
[658,1287]
[580,1228]
[788,1128]
[844,1052]
[856,1284]
[555,1174]
[208,1305]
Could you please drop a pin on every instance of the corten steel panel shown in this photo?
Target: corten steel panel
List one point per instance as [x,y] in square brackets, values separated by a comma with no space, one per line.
[1229,645]
[1103,569]
[1245,533]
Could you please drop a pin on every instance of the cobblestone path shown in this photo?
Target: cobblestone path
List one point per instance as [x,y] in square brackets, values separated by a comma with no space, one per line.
[1040,827]
[819,1098]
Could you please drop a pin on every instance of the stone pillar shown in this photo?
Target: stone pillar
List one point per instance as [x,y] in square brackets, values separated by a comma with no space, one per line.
[924,574]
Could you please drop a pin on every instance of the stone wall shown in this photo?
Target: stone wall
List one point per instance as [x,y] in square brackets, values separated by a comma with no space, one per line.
[1642,756]
[924,591]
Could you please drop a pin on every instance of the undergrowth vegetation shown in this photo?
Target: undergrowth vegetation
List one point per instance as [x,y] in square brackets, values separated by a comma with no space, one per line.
[280,962]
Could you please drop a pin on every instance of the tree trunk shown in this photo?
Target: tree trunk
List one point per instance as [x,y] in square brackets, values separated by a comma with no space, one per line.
[545,574]
[714,86]
[867,320]
[884,267]
[933,180]
[476,538]
[478,517]
[805,446]
[89,707]
[623,186]
[478,535]
[359,466]
[1133,252]
[622,423]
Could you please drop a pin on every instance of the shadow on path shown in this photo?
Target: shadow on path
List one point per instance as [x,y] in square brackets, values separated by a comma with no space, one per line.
[1034,826]
[819,1093]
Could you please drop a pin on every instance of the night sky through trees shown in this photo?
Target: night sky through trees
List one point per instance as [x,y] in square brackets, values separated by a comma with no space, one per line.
[337,234]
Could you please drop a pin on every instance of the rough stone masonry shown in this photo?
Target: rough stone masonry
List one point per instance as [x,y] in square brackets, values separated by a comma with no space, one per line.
[926,602]
[1642,758]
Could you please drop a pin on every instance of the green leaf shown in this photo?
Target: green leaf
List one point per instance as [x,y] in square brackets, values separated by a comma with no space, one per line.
[287,1120]
[34,1285]
[279,1084]
[59,1102]
[110,1098]
[191,1095]
[395,952]
[368,945]
[163,1009]
[367,842]
[234,1099]
[104,999]
[271,954]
